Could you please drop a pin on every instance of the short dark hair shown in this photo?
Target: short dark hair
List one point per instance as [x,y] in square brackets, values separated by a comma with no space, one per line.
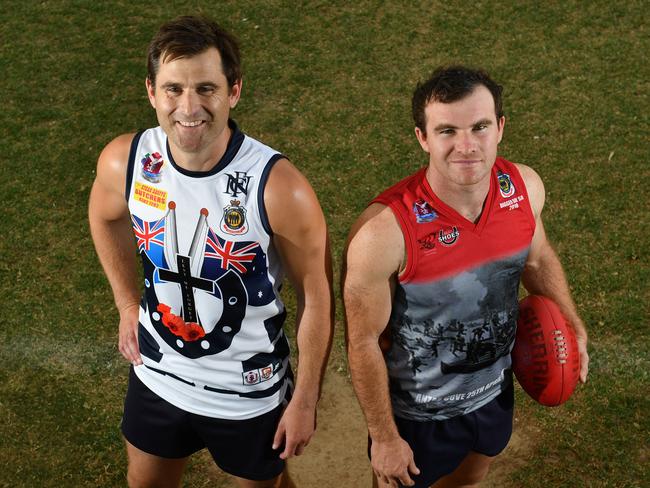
[188,36]
[448,84]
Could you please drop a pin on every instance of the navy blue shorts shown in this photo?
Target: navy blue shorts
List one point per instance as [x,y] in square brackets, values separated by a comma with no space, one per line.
[440,446]
[239,447]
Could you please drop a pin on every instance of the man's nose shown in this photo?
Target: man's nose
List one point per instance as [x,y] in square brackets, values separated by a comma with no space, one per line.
[189,102]
[466,143]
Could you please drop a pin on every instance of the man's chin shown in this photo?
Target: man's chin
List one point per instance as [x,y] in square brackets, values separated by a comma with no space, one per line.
[188,145]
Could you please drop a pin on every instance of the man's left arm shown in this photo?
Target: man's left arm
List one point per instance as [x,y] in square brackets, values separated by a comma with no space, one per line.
[543,273]
[300,237]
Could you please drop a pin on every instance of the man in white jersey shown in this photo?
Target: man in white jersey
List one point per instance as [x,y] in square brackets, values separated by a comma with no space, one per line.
[218,218]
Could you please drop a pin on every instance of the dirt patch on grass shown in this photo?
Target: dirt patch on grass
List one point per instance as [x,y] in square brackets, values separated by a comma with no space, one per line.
[336,456]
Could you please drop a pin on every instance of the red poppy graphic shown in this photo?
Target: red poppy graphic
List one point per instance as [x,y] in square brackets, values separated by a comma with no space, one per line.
[190,331]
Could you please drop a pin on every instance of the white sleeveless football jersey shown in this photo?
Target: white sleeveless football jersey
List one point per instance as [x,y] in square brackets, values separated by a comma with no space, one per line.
[211,318]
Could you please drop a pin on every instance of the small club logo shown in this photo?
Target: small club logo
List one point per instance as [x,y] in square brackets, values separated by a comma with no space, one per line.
[234,219]
[506,187]
[449,237]
[151,165]
[423,212]
[251,377]
[260,375]
[266,373]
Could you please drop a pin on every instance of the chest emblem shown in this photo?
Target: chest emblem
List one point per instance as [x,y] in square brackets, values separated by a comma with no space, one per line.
[197,296]
[423,212]
[506,187]
[237,184]
[448,237]
[152,163]
[234,219]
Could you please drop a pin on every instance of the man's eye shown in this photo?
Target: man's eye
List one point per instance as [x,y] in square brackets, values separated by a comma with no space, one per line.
[447,131]
[480,127]
[173,89]
[206,90]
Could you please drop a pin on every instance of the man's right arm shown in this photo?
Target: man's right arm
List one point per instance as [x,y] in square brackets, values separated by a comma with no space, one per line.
[110,226]
[373,258]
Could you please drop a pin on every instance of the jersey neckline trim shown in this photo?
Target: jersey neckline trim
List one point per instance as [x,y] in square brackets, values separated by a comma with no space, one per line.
[234,144]
[477,227]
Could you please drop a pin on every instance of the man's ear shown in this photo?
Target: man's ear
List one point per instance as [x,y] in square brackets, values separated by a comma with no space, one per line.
[501,124]
[422,139]
[235,93]
[151,92]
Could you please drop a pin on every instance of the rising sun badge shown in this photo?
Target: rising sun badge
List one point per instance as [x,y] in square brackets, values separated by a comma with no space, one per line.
[234,219]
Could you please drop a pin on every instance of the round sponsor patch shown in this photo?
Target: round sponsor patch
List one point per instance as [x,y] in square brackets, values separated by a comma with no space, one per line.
[449,237]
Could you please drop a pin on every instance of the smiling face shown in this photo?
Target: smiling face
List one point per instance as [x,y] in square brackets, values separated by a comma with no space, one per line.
[461,139]
[192,100]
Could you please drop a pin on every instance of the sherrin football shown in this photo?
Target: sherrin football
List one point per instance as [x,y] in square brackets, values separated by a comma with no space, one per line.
[545,356]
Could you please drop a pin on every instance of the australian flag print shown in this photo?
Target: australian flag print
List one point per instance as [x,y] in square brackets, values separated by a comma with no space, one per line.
[150,238]
[245,258]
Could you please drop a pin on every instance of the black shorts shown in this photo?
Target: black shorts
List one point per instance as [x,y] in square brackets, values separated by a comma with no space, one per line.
[440,446]
[239,447]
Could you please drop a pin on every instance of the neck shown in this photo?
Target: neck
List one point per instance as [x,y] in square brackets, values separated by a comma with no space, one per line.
[467,200]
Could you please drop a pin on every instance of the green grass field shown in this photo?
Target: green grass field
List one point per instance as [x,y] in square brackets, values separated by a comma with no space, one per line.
[328,84]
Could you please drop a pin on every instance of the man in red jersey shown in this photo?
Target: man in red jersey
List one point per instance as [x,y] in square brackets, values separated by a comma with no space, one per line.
[432,273]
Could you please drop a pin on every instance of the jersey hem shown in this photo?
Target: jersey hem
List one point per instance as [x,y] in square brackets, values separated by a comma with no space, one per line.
[140,372]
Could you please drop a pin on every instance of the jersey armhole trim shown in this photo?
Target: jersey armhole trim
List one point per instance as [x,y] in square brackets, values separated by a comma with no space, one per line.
[130,167]
[409,241]
[264,218]
[407,234]
[528,206]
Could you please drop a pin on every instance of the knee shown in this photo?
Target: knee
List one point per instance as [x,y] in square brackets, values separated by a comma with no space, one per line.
[467,475]
[137,479]
[133,480]
[470,479]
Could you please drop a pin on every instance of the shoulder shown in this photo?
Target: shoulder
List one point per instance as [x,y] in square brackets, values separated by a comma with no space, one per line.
[376,242]
[289,199]
[376,220]
[107,195]
[114,158]
[285,176]
[534,187]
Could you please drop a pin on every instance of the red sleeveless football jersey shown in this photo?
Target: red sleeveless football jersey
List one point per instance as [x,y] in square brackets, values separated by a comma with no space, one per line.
[455,306]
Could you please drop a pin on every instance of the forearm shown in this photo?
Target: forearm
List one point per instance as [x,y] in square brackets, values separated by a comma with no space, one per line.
[116,251]
[546,277]
[370,381]
[314,326]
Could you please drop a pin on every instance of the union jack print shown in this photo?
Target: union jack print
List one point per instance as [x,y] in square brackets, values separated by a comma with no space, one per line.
[148,233]
[226,252]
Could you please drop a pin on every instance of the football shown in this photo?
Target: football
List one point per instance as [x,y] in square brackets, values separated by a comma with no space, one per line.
[545,356]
